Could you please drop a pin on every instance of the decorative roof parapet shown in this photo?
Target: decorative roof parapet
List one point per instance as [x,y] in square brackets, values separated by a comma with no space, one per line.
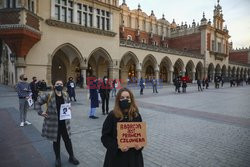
[240,49]
[79,28]
[239,64]
[131,44]
[18,26]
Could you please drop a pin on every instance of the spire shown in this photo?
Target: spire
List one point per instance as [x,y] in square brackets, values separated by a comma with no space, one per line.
[185,25]
[139,7]
[203,17]
[152,13]
[209,22]
[124,3]
[193,23]
[163,17]
[173,21]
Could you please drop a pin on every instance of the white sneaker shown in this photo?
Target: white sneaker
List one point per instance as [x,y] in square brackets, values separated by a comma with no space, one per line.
[27,123]
[22,124]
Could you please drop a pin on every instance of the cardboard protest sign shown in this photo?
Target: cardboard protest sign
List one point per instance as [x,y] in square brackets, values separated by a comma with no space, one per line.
[130,134]
[65,112]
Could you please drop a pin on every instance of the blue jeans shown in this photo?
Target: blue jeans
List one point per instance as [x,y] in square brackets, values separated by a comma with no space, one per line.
[92,111]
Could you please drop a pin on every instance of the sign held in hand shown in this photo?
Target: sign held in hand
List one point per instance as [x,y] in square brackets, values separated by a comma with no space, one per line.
[131,134]
[65,112]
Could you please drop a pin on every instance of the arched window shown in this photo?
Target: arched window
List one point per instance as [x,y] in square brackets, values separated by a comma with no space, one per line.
[143,41]
[155,43]
[129,38]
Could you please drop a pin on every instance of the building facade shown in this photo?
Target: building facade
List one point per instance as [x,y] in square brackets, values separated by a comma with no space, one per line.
[56,39]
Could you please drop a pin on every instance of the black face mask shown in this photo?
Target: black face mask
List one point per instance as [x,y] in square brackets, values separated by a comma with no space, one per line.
[59,88]
[125,104]
[25,79]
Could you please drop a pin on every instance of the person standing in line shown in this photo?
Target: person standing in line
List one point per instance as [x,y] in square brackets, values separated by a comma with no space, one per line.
[93,96]
[203,83]
[154,84]
[104,93]
[71,89]
[23,92]
[114,84]
[142,85]
[207,83]
[184,86]
[222,81]
[34,89]
[178,84]
[125,110]
[53,127]
[199,85]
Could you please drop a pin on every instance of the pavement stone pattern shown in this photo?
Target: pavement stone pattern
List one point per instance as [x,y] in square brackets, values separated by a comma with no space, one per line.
[209,128]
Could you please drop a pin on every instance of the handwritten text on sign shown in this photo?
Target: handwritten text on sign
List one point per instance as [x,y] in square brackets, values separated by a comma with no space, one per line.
[130,134]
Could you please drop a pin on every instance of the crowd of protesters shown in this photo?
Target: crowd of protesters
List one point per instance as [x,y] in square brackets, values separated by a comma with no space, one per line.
[125,110]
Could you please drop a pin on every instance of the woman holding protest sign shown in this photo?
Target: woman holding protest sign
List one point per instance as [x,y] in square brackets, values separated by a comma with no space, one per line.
[54,127]
[125,111]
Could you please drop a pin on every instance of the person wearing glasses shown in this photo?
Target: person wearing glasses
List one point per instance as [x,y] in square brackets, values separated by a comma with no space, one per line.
[53,127]
[125,110]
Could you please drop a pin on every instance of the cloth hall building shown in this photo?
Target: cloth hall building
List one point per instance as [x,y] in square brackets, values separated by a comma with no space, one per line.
[53,39]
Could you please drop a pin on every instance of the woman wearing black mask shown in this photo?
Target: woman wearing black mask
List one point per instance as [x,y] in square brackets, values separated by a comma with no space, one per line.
[125,110]
[53,127]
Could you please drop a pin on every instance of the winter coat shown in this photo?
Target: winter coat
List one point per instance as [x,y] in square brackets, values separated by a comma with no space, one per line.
[34,89]
[71,88]
[94,97]
[105,90]
[50,124]
[114,156]
[142,84]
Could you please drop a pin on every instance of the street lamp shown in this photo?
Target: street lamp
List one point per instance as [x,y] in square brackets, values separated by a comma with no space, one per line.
[12,57]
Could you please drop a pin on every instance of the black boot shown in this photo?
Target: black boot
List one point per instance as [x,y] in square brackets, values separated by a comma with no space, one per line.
[58,162]
[73,160]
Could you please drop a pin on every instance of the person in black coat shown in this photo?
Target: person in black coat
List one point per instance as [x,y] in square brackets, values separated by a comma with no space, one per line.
[71,89]
[199,85]
[184,86]
[125,110]
[142,85]
[93,96]
[104,93]
[34,89]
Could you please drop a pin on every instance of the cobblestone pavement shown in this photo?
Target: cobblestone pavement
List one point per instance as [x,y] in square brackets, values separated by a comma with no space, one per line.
[209,128]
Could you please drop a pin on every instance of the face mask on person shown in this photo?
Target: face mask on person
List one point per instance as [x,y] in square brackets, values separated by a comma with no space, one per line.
[25,79]
[59,87]
[125,104]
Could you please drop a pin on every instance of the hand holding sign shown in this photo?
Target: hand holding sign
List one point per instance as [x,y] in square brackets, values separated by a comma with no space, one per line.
[131,135]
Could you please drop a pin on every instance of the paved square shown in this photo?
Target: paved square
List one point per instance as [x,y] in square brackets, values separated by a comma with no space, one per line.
[209,128]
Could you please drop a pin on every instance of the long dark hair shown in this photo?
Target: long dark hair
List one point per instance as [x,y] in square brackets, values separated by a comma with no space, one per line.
[132,111]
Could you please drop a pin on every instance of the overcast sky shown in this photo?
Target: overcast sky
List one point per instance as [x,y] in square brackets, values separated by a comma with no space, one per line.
[236,14]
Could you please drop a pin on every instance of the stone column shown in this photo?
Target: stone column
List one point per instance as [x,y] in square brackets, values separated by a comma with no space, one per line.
[170,76]
[84,74]
[212,77]
[113,73]
[138,70]
[20,67]
[193,77]
[138,74]
[183,72]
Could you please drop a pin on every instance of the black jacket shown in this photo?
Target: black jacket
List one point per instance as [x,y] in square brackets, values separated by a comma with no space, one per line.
[105,90]
[114,156]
